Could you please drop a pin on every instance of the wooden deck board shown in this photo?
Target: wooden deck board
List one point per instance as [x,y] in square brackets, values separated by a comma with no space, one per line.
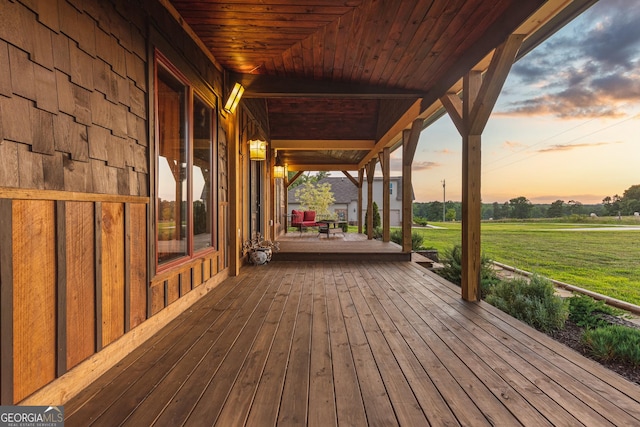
[573,388]
[348,344]
[266,402]
[104,392]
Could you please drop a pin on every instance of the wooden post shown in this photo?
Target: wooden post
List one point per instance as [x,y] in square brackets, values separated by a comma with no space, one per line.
[470,115]
[235,195]
[386,204]
[409,144]
[371,169]
[360,181]
[271,220]
[285,189]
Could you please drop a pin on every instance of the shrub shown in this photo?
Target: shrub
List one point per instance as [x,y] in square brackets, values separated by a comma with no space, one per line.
[416,238]
[614,343]
[377,233]
[452,270]
[420,220]
[376,218]
[396,236]
[532,301]
[584,310]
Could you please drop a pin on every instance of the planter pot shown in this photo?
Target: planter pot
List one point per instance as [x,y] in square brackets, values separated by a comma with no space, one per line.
[260,256]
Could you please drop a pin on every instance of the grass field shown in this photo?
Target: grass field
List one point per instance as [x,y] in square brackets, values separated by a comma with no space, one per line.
[603,261]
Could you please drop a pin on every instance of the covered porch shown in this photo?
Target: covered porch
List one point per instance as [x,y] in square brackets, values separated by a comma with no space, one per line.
[351,343]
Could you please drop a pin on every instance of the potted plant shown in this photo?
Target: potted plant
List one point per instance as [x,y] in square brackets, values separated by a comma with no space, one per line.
[259,249]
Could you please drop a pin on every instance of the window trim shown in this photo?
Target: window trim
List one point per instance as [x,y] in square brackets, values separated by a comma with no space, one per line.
[160,60]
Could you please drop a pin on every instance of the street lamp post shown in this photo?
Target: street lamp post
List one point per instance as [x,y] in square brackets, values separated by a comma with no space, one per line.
[444,199]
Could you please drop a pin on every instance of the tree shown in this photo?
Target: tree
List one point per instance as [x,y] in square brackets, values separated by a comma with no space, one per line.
[632,193]
[612,204]
[574,207]
[520,207]
[376,218]
[316,198]
[556,209]
[451,214]
[505,211]
[497,210]
[630,201]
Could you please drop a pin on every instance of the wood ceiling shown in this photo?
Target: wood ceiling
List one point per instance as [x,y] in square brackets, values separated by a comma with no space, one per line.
[343,70]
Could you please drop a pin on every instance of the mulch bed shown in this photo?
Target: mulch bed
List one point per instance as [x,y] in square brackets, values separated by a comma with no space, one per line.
[571,337]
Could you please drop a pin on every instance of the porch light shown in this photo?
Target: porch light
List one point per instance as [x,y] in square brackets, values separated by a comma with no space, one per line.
[257,149]
[234,98]
[279,169]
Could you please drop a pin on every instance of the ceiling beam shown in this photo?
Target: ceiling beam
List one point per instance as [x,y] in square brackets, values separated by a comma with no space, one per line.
[264,86]
[323,167]
[322,144]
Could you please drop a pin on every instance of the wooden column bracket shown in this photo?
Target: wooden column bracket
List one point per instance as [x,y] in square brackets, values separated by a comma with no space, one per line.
[409,143]
[296,176]
[352,179]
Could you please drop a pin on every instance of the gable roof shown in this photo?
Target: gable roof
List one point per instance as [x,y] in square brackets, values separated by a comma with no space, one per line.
[344,191]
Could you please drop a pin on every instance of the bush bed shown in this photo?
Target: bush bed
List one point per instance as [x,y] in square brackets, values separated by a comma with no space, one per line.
[614,343]
[531,301]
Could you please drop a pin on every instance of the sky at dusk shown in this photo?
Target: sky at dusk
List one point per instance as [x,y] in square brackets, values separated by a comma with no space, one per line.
[566,125]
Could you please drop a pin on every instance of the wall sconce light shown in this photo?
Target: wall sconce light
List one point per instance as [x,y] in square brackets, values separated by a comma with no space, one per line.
[234,98]
[279,169]
[257,149]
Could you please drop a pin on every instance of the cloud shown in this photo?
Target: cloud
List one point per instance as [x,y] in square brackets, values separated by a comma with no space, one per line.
[417,165]
[588,69]
[424,165]
[569,147]
[614,33]
[512,145]
[570,103]
[618,87]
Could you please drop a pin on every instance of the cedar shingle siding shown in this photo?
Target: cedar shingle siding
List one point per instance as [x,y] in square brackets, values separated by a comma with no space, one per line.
[73,105]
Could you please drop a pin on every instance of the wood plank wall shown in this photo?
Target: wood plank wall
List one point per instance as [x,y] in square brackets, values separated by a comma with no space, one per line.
[167,288]
[64,272]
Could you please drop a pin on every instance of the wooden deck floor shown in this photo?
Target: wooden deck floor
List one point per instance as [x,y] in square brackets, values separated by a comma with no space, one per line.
[312,246]
[351,344]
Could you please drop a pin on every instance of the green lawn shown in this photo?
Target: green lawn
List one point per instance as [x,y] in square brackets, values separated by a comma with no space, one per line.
[607,262]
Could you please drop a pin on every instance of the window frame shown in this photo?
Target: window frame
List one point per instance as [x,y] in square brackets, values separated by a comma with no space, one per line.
[191,92]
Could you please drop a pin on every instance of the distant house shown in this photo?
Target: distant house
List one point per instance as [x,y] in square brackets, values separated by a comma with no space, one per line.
[346,198]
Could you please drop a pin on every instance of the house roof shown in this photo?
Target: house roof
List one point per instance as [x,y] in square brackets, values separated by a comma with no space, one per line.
[344,191]
[333,82]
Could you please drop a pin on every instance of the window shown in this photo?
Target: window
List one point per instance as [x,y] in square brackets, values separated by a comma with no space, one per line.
[184,182]
[202,176]
[391,188]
